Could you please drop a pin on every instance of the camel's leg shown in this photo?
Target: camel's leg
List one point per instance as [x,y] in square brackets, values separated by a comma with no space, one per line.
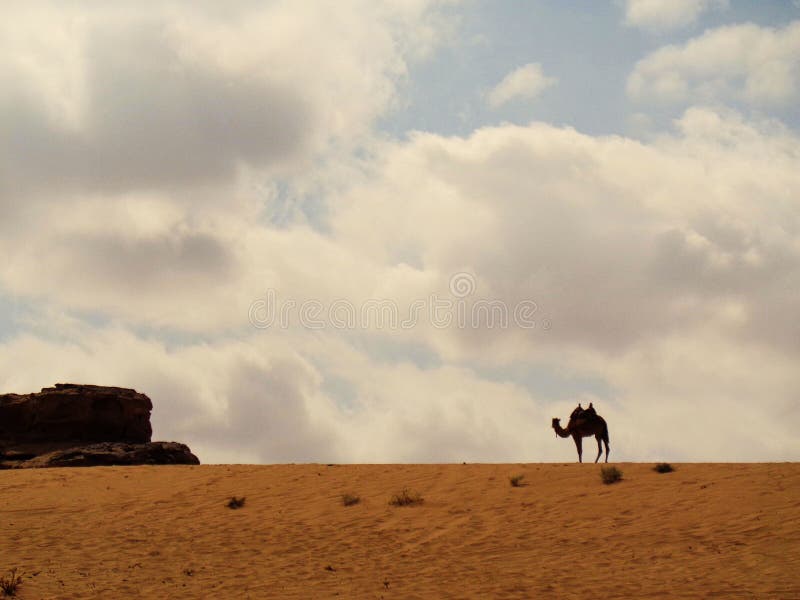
[599,449]
[579,446]
[607,450]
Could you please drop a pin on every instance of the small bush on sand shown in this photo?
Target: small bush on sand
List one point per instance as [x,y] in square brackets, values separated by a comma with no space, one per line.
[516,480]
[663,468]
[406,498]
[610,474]
[350,499]
[235,502]
[9,584]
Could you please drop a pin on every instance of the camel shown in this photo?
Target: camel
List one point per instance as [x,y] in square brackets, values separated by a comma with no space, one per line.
[584,423]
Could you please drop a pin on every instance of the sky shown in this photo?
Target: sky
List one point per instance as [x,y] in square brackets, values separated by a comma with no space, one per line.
[409,231]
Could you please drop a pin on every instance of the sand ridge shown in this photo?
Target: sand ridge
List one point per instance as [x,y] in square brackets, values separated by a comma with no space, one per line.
[706,530]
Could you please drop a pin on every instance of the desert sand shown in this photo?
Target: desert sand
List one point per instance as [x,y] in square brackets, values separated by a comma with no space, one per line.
[705,530]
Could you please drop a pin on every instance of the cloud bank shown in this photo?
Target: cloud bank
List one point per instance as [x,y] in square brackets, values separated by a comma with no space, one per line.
[752,64]
[162,170]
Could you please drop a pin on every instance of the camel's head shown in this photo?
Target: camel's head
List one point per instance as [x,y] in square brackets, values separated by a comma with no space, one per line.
[556,424]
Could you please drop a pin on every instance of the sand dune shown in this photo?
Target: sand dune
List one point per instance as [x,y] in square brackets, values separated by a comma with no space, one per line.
[706,530]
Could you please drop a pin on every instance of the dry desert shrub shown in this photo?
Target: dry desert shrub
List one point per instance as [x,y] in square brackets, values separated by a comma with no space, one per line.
[406,498]
[9,584]
[350,499]
[235,502]
[663,468]
[610,474]
[516,480]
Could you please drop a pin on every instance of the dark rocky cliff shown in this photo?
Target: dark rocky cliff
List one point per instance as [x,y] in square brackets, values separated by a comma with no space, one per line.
[73,424]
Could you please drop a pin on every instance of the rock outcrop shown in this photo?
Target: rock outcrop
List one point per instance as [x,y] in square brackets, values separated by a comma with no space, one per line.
[116,453]
[75,413]
[82,425]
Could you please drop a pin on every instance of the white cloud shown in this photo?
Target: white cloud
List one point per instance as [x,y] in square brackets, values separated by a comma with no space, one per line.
[234,400]
[668,270]
[686,246]
[525,82]
[152,167]
[263,399]
[749,63]
[139,146]
[671,213]
[109,98]
[664,15]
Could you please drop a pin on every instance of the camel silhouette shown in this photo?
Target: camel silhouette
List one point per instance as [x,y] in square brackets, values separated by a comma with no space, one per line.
[584,422]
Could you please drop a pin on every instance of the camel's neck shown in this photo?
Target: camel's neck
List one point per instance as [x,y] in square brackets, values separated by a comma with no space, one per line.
[561,431]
